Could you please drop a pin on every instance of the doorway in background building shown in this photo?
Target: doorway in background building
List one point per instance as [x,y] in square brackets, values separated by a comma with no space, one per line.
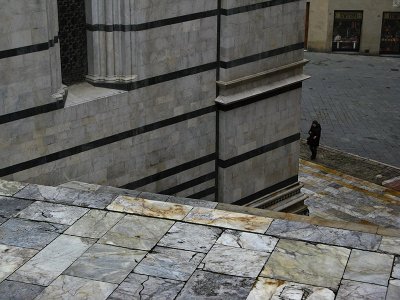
[73,45]
[307,25]
[390,36]
[347,30]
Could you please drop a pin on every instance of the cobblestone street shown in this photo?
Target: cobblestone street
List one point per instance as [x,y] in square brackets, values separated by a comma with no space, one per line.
[356,100]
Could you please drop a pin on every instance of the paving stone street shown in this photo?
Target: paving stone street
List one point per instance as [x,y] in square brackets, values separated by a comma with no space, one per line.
[357,101]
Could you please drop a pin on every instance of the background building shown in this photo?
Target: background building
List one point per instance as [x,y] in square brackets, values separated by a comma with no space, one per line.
[364,26]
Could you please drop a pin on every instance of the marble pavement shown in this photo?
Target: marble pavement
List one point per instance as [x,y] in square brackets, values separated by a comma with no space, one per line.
[82,241]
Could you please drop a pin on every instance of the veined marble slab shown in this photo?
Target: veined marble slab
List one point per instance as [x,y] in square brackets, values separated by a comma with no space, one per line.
[207,285]
[9,188]
[54,213]
[49,263]
[266,288]
[318,265]
[19,290]
[396,268]
[234,261]
[169,263]
[247,240]
[191,237]
[325,235]
[390,244]
[230,220]
[149,208]
[94,224]
[72,288]
[137,232]
[369,267]
[145,287]
[11,258]
[9,206]
[106,263]
[193,202]
[83,186]
[29,234]
[66,196]
[358,290]
[393,292]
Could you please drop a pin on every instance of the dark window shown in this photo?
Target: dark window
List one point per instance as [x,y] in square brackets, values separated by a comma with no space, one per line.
[73,47]
[390,37]
[347,31]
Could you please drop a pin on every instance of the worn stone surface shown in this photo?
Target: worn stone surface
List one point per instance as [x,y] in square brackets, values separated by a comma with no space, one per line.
[333,236]
[396,268]
[9,188]
[67,287]
[11,258]
[105,263]
[191,237]
[234,261]
[149,208]
[137,286]
[247,240]
[206,285]
[301,262]
[2,220]
[390,245]
[369,267]
[50,212]
[393,292]
[192,202]
[359,290]
[169,263]
[226,219]
[94,224]
[19,290]
[153,196]
[29,234]
[49,263]
[66,196]
[9,206]
[137,232]
[266,288]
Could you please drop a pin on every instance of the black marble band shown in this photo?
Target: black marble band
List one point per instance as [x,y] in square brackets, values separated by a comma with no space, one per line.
[169,172]
[28,49]
[189,184]
[267,191]
[253,153]
[250,7]
[103,141]
[202,194]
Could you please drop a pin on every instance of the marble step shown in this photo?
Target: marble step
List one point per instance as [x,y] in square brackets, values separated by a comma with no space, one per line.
[95,188]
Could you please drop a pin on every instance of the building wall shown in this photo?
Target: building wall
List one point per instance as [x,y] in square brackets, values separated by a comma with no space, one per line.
[159,128]
[322,18]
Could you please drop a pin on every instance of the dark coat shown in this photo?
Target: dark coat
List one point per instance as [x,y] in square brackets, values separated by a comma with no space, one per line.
[315,135]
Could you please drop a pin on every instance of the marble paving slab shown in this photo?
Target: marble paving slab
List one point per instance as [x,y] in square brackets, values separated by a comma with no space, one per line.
[54,213]
[66,196]
[94,224]
[72,288]
[396,268]
[144,287]
[318,265]
[393,292]
[230,220]
[105,263]
[9,188]
[266,288]
[193,202]
[350,290]
[2,220]
[234,261]
[169,263]
[155,197]
[191,237]
[326,235]
[11,258]
[18,290]
[369,267]
[49,263]
[29,234]
[137,232]
[390,244]
[9,206]
[149,208]
[247,240]
[82,186]
[206,285]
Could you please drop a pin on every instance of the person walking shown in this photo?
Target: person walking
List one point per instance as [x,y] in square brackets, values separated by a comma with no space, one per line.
[313,138]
